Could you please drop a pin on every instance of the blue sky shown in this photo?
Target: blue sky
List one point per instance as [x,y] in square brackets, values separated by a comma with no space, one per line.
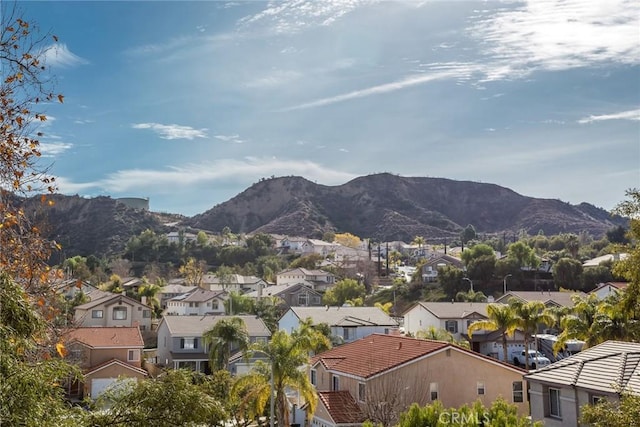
[189,103]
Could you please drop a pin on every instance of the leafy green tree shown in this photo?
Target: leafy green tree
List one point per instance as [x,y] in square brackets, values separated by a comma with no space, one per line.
[202,239]
[522,255]
[617,235]
[450,279]
[605,413]
[592,276]
[528,316]
[480,261]
[30,371]
[468,234]
[150,292]
[239,304]
[500,317]
[171,399]
[343,291]
[309,261]
[222,337]
[193,272]
[629,268]
[567,273]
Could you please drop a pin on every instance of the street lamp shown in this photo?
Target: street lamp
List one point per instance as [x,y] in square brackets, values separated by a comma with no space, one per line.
[470,282]
[504,284]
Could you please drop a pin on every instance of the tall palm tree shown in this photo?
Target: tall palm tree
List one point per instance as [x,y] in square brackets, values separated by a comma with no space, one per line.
[579,322]
[500,317]
[287,354]
[222,336]
[150,291]
[528,316]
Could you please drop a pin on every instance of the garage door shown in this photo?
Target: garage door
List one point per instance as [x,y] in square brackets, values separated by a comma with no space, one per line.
[100,385]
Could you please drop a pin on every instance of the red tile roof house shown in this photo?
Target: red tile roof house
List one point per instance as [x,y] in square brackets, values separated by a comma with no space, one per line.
[104,354]
[382,375]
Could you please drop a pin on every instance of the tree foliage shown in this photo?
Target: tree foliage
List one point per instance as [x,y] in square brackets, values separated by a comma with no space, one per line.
[222,337]
[605,413]
[172,399]
[343,291]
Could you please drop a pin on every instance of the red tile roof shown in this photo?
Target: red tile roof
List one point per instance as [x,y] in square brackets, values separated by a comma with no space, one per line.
[107,336]
[341,406]
[375,354]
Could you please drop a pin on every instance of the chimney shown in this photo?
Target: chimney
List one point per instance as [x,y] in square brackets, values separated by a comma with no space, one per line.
[143,300]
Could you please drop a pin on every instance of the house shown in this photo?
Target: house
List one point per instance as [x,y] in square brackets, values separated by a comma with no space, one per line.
[320,247]
[594,262]
[549,298]
[131,284]
[198,302]
[430,268]
[559,391]
[113,310]
[104,354]
[172,290]
[292,244]
[290,295]
[348,323]
[180,342]
[319,279]
[609,288]
[454,317]
[390,372]
[233,283]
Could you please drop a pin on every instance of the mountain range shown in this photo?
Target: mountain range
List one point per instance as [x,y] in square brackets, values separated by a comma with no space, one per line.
[383,206]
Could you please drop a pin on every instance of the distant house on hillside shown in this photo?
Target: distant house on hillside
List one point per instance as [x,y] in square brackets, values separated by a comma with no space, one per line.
[609,288]
[113,310]
[430,268]
[198,302]
[319,280]
[290,294]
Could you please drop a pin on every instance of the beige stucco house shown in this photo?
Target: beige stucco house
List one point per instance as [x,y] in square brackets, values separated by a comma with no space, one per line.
[113,310]
[395,371]
[104,354]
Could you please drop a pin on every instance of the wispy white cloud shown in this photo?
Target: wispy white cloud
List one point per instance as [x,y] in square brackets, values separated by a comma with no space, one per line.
[172,131]
[276,78]
[624,115]
[59,55]
[293,16]
[230,138]
[52,149]
[440,72]
[177,177]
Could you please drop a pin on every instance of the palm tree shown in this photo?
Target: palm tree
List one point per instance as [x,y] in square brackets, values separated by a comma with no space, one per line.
[222,336]
[528,316]
[500,317]
[286,354]
[150,292]
[579,323]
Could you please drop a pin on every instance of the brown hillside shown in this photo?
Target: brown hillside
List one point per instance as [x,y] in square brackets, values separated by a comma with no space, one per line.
[390,207]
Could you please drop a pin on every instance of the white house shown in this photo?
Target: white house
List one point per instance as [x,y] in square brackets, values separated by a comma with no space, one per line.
[318,278]
[198,302]
[348,323]
[454,317]
[605,289]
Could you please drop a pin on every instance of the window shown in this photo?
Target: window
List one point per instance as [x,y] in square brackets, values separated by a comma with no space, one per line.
[451,326]
[133,355]
[554,403]
[146,314]
[189,343]
[314,378]
[348,333]
[518,396]
[97,314]
[433,390]
[215,305]
[119,313]
[335,383]
[596,399]
[362,392]
[480,388]
[302,299]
